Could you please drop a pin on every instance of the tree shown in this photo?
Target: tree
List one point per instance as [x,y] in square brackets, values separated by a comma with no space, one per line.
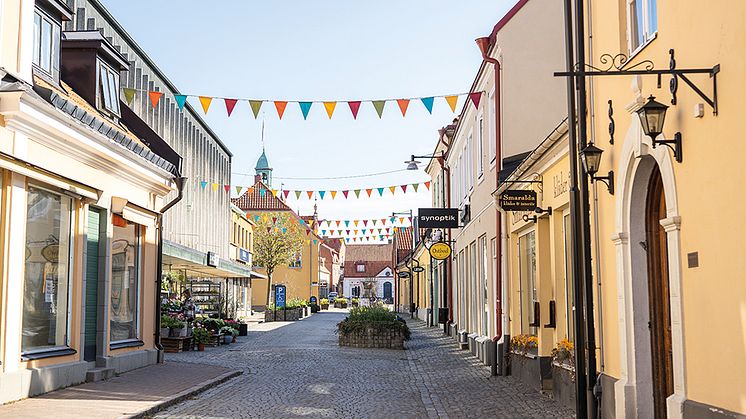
[278,238]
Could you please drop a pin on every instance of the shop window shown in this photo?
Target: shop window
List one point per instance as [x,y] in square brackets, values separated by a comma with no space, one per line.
[484,282]
[529,296]
[297,261]
[46,291]
[125,280]
[569,290]
[643,22]
[108,89]
[46,44]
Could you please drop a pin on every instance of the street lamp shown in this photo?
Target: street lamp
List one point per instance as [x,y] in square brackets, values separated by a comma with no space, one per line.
[590,156]
[652,116]
[412,163]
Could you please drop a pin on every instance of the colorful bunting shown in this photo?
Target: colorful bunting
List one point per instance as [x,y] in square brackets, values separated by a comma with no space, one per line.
[322,193]
[305,107]
[428,102]
[229,105]
[256,105]
[205,101]
[452,100]
[379,104]
[129,95]
[203,184]
[155,97]
[403,105]
[354,107]
[280,106]
[329,106]
[475,97]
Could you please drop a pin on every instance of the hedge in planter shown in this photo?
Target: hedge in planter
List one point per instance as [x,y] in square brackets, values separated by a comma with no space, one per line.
[373,327]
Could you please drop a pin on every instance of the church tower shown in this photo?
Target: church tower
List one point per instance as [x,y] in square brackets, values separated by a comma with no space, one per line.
[263,170]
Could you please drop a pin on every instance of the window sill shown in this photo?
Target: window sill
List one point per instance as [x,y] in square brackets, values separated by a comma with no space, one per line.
[51,353]
[126,344]
[635,53]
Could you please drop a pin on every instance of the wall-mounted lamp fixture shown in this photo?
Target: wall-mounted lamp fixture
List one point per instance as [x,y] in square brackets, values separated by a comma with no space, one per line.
[591,158]
[652,116]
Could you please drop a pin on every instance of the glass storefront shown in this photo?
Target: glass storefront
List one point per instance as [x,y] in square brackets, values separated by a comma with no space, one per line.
[125,280]
[527,255]
[46,291]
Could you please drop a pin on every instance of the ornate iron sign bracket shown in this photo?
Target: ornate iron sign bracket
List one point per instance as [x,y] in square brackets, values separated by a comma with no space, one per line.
[617,65]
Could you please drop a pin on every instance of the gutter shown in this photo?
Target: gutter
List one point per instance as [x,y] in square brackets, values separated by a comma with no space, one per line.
[159,278]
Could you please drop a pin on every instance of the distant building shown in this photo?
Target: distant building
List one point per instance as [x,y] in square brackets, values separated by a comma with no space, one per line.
[368,272]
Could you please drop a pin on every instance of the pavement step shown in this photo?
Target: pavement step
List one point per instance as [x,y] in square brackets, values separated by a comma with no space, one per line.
[98,374]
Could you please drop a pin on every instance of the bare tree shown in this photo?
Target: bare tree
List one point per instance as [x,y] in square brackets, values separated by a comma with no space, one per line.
[278,238]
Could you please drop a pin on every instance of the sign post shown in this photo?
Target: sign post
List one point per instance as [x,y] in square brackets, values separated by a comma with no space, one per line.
[280,300]
[518,200]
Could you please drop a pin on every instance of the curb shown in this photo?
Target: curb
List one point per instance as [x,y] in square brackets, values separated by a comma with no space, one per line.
[179,397]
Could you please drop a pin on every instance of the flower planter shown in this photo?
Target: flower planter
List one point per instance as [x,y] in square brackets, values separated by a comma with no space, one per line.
[533,370]
[227,339]
[243,329]
[373,337]
[165,332]
[201,347]
[563,384]
[178,332]
[325,306]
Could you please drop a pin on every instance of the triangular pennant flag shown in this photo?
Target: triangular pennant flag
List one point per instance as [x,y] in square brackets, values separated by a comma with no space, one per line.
[380,191]
[284,230]
[205,101]
[354,107]
[274,192]
[310,194]
[227,188]
[368,191]
[329,106]
[203,184]
[475,97]
[334,194]
[415,186]
[387,230]
[403,105]
[238,190]
[155,97]
[364,230]
[379,104]
[308,232]
[348,239]
[297,194]
[280,106]
[256,218]
[257,104]
[345,193]
[337,223]
[354,232]
[322,193]
[404,188]
[229,105]
[428,102]
[347,232]
[401,220]
[315,241]
[427,185]
[215,186]
[356,222]
[410,219]
[250,191]
[393,190]
[323,233]
[354,239]
[365,223]
[374,222]
[180,100]
[262,192]
[286,192]
[347,223]
[269,229]
[274,220]
[357,193]
[452,100]
[129,95]
[383,221]
[305,107]
[379,231]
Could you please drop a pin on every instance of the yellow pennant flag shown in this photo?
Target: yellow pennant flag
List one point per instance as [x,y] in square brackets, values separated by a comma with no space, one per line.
[215,186]
[238,190]
[274,192]
[356,222]
[452,100]
[330,108]
[392,189]
[205,101]
[334,194]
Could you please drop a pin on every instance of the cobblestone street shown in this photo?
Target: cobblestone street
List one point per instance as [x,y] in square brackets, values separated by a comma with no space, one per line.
[297,370]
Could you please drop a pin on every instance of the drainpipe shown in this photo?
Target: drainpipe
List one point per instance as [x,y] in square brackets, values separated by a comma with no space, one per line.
[159,278]
[484,47]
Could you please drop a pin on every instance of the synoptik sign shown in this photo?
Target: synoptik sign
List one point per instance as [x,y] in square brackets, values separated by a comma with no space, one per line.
[437,218]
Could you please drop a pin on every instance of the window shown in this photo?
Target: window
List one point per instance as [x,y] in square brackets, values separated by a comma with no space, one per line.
[108,89]
[125,280]
[46,291]
[642,22]
[298,262]
[527,263]
[360,267]
[46,44]
[480,148]
[474,288]
[484,283]
[569,290]
[493,134]
[493,246]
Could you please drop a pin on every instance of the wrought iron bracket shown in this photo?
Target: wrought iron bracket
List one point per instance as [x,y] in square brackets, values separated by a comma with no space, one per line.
[612,125]
[617,65]
[608,180]
[537,179]
[674,145]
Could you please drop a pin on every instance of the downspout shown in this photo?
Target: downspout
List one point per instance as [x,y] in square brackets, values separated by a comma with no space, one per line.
[159,278]
[448,267]
[484,47]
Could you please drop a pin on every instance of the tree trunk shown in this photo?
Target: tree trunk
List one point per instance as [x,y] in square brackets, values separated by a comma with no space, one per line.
[269,286]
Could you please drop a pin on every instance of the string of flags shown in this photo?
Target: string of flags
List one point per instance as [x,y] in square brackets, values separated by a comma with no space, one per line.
[330,106]
[320,194]
[279,226]
[371,221]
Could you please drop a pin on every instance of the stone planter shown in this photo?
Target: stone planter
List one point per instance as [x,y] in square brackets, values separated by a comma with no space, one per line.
[563,384]
[325,306]
[178,332]
[289,315]
[373,337]
[533,370]
[165,332]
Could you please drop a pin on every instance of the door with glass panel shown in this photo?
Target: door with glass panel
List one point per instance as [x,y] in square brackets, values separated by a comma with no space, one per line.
[93,242]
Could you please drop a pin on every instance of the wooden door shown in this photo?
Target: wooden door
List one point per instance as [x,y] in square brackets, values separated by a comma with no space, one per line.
[658,292]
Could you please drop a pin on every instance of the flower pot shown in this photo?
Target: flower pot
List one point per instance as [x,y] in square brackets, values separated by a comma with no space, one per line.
[165,331]
[325,306]
[182,332]
[201,347]
[227,338]
[234,340]
[176,332]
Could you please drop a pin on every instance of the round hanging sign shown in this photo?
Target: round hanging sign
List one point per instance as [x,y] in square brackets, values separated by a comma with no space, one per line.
[440,251]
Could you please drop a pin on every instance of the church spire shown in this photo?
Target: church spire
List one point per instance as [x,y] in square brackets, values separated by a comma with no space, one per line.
[263,169]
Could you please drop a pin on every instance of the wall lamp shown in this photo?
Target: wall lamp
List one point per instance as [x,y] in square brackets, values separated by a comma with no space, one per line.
[591,158]
[412,163]
[539,213]
[652,116]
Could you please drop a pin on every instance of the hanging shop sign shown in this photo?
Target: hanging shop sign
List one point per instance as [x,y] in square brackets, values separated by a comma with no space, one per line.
[212,259]
[243,255]
[440,251]
[437,218]
[518,200]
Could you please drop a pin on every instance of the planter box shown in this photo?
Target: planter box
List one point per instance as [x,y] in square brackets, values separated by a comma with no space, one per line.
[177,344]
[283,315]
[373,338]
[533,370]
[243,329]
[325,306]
[563,384]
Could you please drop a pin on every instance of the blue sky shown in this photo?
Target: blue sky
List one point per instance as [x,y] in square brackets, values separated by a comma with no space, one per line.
[320,50]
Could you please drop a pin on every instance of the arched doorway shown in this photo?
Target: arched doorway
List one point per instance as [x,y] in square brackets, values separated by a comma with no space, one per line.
[387,291]
[659,322]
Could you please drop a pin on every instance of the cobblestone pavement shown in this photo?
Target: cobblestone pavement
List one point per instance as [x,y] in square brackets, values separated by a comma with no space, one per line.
[297,370]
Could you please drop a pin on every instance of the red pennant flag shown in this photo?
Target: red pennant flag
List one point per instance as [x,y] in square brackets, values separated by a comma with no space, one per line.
[229,105]
[365,223]
[269,229]
[286,193]
[410,219]
[155,97]
[387,230]
[383,221]
[308,232]
[310,194]
[404,188]
[354,107]
[227,188]
[368,191]
[427,185]
[403,105]
[475,97]
[280,106]
[345,194]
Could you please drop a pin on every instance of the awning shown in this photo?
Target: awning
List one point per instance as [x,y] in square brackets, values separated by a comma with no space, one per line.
[177,257]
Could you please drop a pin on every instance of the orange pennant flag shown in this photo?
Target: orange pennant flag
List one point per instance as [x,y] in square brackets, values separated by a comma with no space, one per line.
[356,222]
[427,185]
[403,105]
[280,106]
[205,101]
[368,191]
[401,220]
[330,108]
[452,100]
[155,97]
[334,194]
[310,194]
[392,189]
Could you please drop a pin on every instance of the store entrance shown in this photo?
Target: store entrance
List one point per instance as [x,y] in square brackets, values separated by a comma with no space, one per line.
[93,270]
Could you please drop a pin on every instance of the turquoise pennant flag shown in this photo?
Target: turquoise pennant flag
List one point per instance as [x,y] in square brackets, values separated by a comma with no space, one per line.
[380,191]
[347,223]
[180,100]
[315,241]
[256,218]
[428,102]
[203,184]
[284,230]
[305,107]
[323,232]
[262,192]
[322,193]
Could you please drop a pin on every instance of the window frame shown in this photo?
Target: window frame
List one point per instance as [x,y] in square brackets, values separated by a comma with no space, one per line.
[633,20]
[358,267]
[122,343]
[480,147]
[54,47]
[105,74]
[526,328]
[66,349]
[298,262]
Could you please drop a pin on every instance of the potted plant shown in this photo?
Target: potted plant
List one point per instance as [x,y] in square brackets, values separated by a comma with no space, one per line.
[341,301]
[178,328]
[355,302]
[201,337]
[324,303]
[227,333]
[235,334]
[166,322]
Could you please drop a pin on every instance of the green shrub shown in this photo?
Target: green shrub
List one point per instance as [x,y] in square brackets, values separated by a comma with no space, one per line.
[376,317]
[355,301]
[200,335]
[341,300]
[324,301]
[172,322]
[213,324]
